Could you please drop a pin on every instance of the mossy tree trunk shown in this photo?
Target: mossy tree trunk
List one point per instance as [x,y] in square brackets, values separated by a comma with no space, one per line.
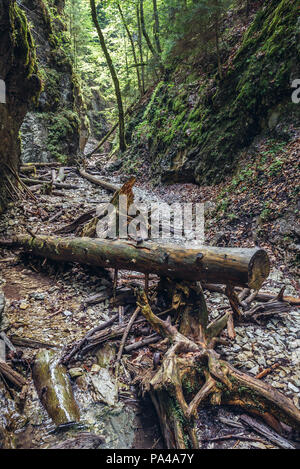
[19,71]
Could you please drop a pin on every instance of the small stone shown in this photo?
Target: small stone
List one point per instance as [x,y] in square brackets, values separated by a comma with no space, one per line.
[75,372]
[38,296]
[254,371]
[292,387]
[95,368]
[295,344]
[296,380]
[67,313]
[261,361]
[24,306]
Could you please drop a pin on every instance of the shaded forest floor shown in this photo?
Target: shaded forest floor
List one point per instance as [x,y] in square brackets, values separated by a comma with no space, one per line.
[46,302]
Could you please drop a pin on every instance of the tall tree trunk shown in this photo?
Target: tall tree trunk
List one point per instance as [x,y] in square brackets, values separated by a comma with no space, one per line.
[217,37]
[152,49]
[114,76]
[132,47]
[156,26]
[140,36]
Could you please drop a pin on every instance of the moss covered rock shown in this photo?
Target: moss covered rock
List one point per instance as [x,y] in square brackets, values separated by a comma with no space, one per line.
[56,127]
[194,126]
[18,69]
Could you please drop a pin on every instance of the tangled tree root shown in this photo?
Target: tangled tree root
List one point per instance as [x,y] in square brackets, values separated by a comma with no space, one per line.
[192,373]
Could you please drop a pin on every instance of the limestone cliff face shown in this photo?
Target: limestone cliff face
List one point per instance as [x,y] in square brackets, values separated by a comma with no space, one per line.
[56,128]
[18,70]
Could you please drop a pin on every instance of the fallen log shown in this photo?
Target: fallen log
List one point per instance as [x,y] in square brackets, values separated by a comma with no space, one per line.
[76,223]
[243,267]
[53,164]
[30,343]
[54,388]
[99,182]
[58,185]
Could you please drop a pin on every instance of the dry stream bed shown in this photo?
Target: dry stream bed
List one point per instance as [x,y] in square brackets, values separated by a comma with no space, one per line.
[45,304]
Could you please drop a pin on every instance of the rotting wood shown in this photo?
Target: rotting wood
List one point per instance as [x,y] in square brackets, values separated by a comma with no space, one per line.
[266,432]
[190,364]
[54,388]
[244,267]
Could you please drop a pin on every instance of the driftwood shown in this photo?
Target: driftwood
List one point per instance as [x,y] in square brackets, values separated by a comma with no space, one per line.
[81,343]
[244,267]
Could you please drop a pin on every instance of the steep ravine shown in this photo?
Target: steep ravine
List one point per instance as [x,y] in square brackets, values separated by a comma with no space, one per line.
[193,125]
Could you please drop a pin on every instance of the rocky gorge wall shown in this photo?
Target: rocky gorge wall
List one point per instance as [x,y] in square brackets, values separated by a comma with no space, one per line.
[57,127]
[194,124]
[18,70]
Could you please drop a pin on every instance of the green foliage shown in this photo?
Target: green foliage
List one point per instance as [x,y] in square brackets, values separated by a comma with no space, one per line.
[61,128]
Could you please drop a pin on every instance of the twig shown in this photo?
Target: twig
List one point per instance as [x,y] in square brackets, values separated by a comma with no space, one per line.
[67,357]
[126,333]
[267,371]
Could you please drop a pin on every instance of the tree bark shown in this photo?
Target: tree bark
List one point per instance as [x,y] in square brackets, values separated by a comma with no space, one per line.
[155,53]
[122,141]
[241,267]
[140,37]
[156,27]
[132,48]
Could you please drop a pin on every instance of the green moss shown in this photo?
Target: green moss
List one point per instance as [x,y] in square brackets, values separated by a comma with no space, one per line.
[212,119]
[61,128]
